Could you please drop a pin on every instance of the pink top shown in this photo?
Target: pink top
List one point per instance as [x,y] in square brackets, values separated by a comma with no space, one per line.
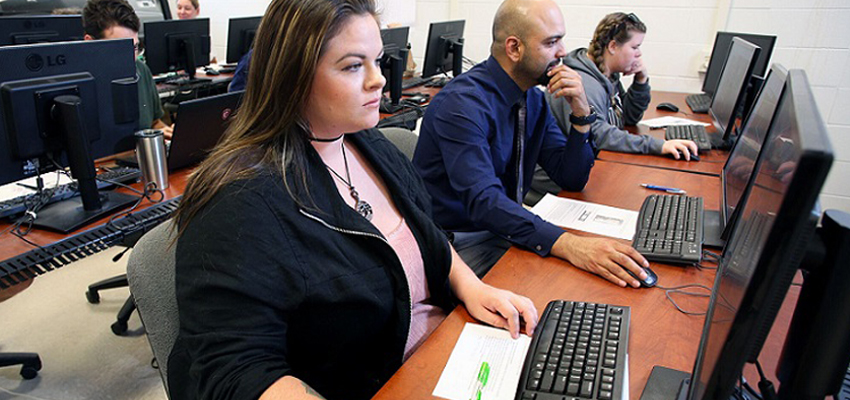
[424,317]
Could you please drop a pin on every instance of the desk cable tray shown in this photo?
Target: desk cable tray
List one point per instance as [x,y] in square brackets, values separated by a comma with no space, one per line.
[47,258]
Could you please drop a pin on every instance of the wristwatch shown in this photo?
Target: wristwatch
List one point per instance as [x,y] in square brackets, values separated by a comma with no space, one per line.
[585,120]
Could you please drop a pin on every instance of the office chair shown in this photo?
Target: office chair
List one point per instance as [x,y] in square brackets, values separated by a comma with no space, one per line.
[30,363]
[150,272]
[402,138]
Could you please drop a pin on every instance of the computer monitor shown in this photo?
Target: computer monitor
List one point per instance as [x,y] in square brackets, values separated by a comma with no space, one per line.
[66,104]
[775,226]
[722,43]
[732,88]
[444,51]
[393,64]
[180,44]
[240,37]
[735,177]
[27,29]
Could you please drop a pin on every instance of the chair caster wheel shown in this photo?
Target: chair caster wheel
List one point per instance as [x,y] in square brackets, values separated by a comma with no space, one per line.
[119,328]
[92,297]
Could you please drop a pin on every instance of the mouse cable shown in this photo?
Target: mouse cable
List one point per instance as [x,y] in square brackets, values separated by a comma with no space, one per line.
[149,190]
[768,392]
[669,291]
[712,255]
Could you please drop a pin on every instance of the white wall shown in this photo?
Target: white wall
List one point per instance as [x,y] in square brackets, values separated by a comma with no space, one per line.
[811,34]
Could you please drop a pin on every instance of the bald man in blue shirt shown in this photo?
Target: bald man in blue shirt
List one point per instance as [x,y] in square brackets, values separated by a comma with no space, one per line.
[477,157]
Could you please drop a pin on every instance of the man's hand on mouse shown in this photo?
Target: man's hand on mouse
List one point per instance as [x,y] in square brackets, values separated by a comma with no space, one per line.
[676,147]
[604,257]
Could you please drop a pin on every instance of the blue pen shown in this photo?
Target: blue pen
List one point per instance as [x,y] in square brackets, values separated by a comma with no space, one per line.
[663,188]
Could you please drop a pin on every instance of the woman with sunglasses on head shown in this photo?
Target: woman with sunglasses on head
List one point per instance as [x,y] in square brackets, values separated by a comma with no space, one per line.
[307,262]
[615,51]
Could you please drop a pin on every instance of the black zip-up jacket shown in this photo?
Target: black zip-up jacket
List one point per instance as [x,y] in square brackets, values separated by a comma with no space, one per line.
[266,288]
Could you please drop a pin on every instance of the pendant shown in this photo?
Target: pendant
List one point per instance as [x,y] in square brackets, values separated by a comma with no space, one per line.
[363,208]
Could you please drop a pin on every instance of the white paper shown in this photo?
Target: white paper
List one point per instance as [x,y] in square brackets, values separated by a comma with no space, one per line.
[662,122]
[477,344]
[14,189]
[587,217]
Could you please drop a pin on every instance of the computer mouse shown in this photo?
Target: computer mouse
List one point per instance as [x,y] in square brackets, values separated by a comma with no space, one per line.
[651,278]
[210,71]
[694,157]
[667,107]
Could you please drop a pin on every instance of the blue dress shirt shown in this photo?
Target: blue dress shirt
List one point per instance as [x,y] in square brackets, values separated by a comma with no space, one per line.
[466,149]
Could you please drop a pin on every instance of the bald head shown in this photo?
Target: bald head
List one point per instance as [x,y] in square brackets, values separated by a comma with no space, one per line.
[520,18]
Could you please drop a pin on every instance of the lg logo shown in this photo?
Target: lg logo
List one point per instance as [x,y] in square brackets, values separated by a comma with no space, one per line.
[225,114]
[36,62]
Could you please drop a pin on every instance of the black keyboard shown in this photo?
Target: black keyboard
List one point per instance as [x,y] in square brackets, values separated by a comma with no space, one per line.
[413,82]
[579,350]
[47,258]
[670,229]
[695,133]
[105,180]
[699,103]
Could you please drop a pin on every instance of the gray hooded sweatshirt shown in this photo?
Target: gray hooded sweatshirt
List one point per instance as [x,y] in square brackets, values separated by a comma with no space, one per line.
[608,129]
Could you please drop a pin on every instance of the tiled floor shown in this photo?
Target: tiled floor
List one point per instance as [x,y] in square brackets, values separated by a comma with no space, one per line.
[82,358]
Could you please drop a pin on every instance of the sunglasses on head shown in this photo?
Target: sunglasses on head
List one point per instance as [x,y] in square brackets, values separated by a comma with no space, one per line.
[623,25]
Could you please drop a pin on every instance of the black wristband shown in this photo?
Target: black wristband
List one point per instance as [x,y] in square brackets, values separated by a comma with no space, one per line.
[585,120]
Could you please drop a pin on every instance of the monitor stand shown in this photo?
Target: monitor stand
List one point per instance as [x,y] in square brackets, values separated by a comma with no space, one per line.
[68,215]
[387,106]
[718,143]
[666,384]
[669,384]
[712,229]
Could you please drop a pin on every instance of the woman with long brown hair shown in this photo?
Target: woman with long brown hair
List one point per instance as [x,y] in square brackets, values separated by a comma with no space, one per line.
[307,260]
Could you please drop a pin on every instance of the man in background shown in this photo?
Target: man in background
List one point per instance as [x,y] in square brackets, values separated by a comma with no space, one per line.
[116,19]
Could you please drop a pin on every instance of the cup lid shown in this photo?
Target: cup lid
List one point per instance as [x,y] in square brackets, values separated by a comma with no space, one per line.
[148,133]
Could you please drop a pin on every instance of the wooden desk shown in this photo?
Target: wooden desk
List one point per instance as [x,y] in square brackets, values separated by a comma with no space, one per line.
[659,334]
[11,246]
[711,162]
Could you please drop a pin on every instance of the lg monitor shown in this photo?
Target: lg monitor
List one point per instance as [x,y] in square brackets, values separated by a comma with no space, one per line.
[240,37]
[393,64]
[182,44]
[764,253]
[722,43]
[735,177]
[64,105]
[30,29]
[731,89]
[444,51]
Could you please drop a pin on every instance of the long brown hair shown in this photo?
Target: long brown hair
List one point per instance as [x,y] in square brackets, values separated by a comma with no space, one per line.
[617,27]
[270,131]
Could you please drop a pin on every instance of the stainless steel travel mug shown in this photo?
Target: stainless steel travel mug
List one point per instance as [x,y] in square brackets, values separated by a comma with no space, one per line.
[150,152]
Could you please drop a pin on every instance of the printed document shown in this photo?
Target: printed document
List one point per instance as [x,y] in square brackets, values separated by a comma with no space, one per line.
[479,344]
[662,122]
[587,217]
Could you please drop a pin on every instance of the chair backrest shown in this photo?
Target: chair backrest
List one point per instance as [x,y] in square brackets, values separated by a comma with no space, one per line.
[150,272]
[402,138]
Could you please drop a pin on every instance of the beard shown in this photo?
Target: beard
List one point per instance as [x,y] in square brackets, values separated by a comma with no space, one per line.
[541,77]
